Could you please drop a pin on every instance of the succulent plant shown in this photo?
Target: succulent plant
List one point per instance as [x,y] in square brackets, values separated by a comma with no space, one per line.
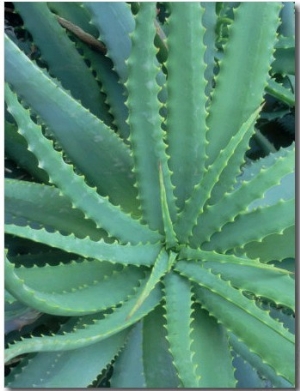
[142,245]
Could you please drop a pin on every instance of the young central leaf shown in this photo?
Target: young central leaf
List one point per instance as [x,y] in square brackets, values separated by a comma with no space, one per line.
[171,240]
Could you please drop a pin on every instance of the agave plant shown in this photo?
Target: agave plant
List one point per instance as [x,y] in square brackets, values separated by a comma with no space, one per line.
[143,246]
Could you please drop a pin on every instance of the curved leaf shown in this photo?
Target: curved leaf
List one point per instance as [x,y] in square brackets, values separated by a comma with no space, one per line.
[98,328]
[263,335]
[252,36]
[64,62]
[272,247]
[162,264]
[254,226]
[16,149]
[46,206]
[258,187]
[247,57]
[106,162]
[98,208]
[112,252]
[257,363]
[83,296]
[60,369]
[202,191]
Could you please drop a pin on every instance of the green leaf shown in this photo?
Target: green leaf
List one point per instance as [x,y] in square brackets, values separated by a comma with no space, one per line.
[252,37]
[188,253]
[80,296]
[211,353]
[287,15]
[248,275]
[256,362]
[185,133]
[146,134]
[115,22]
[263,335]
[60,369]
[128,367]
[114,91]
[253,226]
[112,252]
[282,315]
[284,190]
[243,76]
[209,21]
[284,62]
[108,164]
[64,62]
[272,247]
[255,187]
[269,283]
[162,264]
[158,367]
[98,208]
[170,236]
[280,92]
[178,315]
[80,272]
[97,328]
[44,205]
[27,253]
[202,191]
[246,375]
[16,149]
